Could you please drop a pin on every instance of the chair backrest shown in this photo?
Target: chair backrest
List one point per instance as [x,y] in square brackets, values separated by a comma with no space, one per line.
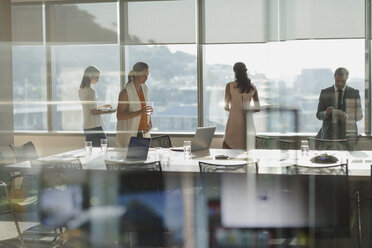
[24,152]
[326,144]
[266,142]
[57,164]
[152,166]
[161,141]
[340,168]
[221,168]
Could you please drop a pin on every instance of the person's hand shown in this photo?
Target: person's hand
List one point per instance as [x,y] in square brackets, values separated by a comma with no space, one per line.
[341,116]
[329,110]
[107,106]
[148,110]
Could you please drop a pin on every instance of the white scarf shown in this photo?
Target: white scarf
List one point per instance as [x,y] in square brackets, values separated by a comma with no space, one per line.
[128,128]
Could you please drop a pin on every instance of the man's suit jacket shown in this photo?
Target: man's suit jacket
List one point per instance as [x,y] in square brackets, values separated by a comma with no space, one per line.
[352,106]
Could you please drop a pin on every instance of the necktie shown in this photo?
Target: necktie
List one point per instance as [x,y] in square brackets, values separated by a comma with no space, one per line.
[339,100]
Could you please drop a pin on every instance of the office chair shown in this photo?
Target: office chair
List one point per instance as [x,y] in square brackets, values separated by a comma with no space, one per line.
[24,152]
[57,164]
[151,166]
[161,141]
[20,154]
[340,168]
[221,168]
[266,142]
[3,210]
[209,174]
[40,232]
[327,144]
[333,178]
[139,226]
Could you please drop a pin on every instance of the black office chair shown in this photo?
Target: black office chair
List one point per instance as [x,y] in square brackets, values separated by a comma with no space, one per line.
[151,166]
[139,226]
[209,175]
[327,144]
[266,142]
[332,178]
[222,168]
[163,141]
[338,168]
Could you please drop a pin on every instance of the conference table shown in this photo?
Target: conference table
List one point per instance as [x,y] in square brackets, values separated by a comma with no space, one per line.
[261,161]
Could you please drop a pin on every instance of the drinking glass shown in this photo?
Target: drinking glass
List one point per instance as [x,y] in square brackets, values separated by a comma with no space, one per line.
[88,148]
[104,145]
[304,147]
[158,153]
[150,111]
[187,149]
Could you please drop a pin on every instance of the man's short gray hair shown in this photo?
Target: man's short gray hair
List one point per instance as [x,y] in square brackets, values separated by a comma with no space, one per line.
[342,71]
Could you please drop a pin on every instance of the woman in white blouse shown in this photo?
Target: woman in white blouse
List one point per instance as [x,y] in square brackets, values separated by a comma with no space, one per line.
[92,112]
[134,113]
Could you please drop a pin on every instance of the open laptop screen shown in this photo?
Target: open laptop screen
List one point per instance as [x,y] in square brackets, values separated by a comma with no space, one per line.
[138,148]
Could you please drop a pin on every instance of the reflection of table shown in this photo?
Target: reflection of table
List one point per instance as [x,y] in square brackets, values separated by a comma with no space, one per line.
[270,161]
[196,209]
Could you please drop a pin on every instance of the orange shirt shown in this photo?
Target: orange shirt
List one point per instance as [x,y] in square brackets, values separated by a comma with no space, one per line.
[143,122]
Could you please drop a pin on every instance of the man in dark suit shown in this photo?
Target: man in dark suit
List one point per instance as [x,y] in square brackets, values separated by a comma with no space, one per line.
[339,108]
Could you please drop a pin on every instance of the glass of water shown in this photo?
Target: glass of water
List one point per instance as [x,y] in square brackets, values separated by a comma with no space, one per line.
[88,148]
[187,149]
[158,153]
[104,145]
[304,147]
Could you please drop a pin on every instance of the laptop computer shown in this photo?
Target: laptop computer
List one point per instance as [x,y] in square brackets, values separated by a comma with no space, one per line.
[202,139]
[138,149]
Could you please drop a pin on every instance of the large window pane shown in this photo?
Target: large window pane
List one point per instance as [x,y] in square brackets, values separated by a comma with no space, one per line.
[161,22]
[172,84]
[68,65]
[84,23]
[288,74]
[29,88]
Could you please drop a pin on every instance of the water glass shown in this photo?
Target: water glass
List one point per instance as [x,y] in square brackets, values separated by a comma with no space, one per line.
[187,149]
[88,148]
[104,145]
[304,147]
[150,110]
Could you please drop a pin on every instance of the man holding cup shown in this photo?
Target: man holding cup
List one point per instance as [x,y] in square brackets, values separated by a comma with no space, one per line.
[339,108]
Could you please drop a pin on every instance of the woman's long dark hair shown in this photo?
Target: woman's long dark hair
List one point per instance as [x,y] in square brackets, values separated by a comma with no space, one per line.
[244,82]
[90,71]
[139,66]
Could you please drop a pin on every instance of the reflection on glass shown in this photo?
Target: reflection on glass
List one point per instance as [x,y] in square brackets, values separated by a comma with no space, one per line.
[29,88]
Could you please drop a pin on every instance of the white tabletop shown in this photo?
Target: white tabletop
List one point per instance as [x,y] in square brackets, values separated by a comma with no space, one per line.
[269,161]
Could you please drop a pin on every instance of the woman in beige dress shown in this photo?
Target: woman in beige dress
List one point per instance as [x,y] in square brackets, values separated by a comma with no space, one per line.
[238,97]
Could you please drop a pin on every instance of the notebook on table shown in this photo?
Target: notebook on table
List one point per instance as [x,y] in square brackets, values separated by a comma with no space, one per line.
[138,149]
[202,139]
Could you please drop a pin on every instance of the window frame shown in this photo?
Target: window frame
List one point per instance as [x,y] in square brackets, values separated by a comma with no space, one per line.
[200,42]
